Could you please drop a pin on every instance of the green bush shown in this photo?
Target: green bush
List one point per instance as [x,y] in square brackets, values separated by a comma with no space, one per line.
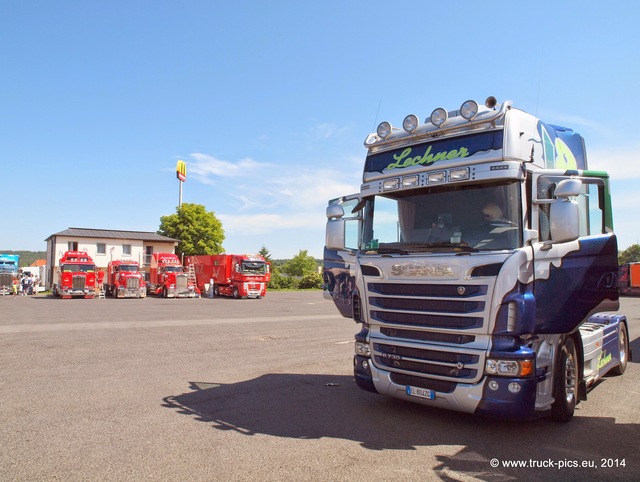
[310,281]
[279,282]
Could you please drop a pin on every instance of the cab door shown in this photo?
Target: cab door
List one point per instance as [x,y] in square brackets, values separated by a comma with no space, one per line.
[340,251]
[576,278]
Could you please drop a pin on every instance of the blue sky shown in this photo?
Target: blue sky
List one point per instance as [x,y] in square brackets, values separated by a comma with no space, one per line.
[269,103]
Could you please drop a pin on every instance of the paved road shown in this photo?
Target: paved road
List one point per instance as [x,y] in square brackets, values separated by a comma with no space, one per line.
[229,389]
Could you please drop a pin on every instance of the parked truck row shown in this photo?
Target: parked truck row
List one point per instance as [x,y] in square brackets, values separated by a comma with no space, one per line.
[239,276]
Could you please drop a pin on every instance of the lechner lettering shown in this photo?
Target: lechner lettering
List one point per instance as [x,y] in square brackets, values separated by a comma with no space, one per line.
[404,159]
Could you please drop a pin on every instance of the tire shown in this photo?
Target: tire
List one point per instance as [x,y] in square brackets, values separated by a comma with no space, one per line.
[236,295]
[165,292]
[566,383]
[624,351]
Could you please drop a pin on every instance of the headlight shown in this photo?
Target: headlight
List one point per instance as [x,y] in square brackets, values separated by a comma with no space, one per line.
[410,123]
[509,368]
[363,349]
[438,117]
[469,109]
[384,129]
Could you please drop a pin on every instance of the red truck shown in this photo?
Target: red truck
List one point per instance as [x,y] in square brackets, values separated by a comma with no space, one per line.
[124,280]
[629,279]
[167,277]
[75,276]
[237,275]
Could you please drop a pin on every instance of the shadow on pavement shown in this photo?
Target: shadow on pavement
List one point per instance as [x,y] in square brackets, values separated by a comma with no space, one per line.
[317,406]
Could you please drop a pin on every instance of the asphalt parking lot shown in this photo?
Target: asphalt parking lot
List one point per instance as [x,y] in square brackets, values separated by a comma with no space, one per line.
[224,389]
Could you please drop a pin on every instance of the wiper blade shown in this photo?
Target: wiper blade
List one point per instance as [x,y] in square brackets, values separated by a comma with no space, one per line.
[391,251]
[455,246]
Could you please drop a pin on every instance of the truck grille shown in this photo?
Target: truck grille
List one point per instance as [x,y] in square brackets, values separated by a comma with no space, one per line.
[419,331]
[181,282]
[133,283]
[78,282]
[6,279]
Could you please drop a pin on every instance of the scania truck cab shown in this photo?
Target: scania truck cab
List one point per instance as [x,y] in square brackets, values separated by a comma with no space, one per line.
[480,260]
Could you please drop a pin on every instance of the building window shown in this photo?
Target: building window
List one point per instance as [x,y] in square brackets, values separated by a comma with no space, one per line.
[101,248]
[148,255]
[126,249]
[72,245]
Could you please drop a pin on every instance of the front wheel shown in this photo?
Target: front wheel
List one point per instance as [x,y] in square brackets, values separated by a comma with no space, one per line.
[566,383]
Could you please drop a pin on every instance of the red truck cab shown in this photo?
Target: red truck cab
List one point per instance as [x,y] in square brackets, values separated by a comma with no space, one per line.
[75,276]
[167,277]
[125,280]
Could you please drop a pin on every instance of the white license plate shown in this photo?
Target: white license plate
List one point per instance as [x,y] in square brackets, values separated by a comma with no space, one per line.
[421,392]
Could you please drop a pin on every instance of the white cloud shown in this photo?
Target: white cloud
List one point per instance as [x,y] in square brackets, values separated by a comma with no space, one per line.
[254,224]
[279,205]
[621,163]
[204,168]
[327,130]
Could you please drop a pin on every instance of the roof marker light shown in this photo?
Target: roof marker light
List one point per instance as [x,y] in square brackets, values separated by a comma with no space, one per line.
[384,129]
[391,184]
[469,109]
[436,177]
[491,102]
[410,181]
[410,123]
[459,174]
[438,117]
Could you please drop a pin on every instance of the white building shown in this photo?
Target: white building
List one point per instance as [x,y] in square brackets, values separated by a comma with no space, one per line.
[104,245]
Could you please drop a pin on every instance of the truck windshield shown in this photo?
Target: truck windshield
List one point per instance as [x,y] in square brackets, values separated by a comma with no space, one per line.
[173,269]
[75,268]
[129,267]
[254,267]
[444,218]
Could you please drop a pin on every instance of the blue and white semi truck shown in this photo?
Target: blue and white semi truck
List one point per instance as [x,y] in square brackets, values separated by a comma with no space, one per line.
[480,260]
[9,264]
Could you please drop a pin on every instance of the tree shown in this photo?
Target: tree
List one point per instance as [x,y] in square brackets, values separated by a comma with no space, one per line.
[629,255]
[199,231]
[300,265]
[264,252]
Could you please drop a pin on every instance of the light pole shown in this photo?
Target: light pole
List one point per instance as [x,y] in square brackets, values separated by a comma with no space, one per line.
[181,174]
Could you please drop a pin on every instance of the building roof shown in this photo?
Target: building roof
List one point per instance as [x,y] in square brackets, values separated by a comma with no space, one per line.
[113,234]
[38,262]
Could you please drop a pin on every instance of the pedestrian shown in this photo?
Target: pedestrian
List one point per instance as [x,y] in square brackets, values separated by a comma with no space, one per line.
[14,287]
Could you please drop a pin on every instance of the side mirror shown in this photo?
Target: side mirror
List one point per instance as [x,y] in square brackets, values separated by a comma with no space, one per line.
[564,214]
[335,235]
[568,188]
[335,211]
